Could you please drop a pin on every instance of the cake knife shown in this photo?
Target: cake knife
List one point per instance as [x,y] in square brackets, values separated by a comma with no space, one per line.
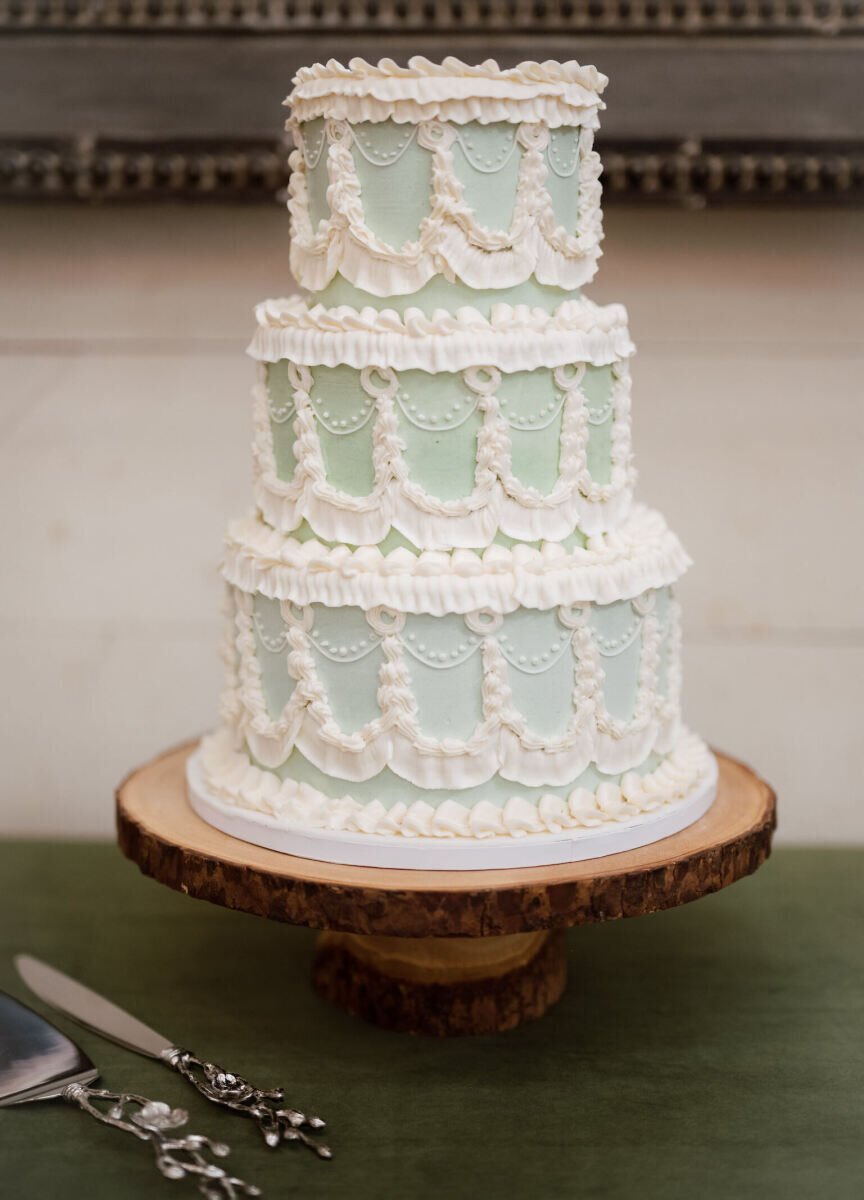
[217,1085]
[38,1062]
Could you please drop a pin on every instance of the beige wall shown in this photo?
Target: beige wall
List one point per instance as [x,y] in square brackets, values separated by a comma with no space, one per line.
[124,431]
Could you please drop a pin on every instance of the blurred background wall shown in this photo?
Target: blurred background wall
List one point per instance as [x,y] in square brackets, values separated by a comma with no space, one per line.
[125,449]
[124,391]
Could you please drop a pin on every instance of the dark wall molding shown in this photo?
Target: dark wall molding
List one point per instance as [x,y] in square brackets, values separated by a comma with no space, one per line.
[694,174]
[424,18]
[710,100]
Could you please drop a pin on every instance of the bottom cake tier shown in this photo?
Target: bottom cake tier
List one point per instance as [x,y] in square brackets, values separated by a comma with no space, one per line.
[528,830]
[512,708]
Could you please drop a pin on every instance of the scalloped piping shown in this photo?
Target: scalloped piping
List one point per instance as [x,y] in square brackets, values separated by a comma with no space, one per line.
[498,500]
[449,241]
[559,93]
[237,782]
[502,742]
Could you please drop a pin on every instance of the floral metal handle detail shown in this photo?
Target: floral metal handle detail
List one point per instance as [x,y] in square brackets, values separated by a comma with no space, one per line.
[234,1092]
[176,1157]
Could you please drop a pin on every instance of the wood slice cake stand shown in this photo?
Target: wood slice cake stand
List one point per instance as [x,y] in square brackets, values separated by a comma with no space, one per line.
[440,952]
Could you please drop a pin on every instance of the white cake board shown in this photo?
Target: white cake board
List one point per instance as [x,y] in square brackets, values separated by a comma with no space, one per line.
[447,854]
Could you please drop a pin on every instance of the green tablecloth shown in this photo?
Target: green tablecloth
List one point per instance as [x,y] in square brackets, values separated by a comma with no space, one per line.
[716,1050]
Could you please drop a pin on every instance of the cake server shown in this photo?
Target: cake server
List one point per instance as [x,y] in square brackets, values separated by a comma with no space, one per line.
[221,1087]
[38,1062]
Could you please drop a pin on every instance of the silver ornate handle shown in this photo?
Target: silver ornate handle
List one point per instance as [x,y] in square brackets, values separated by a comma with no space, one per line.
[233,1091]
[176,1157]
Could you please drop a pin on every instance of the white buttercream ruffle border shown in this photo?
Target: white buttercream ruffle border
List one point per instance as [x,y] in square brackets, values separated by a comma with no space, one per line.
[641,554]
[227,790]
[557,93]
[513,338]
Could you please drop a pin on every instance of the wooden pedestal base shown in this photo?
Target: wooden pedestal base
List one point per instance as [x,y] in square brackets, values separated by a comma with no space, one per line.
[440,952]
[442,986]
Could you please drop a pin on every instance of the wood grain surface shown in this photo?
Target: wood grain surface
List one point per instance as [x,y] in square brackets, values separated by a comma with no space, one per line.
[440,998]
[159,831]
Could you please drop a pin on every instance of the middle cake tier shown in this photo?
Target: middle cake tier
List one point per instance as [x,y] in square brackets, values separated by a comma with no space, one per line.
[454,429]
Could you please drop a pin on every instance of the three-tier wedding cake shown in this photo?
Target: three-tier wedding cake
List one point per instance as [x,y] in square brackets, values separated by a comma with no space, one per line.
[453,641]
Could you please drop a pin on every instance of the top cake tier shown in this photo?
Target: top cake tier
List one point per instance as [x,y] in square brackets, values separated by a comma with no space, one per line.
[474,173]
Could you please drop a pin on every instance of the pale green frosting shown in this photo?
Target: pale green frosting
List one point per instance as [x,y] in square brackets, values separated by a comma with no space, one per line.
[445,667]
[347,454]
[395,198]
[351,687]
[277,685]
[281,396]
[534,455]
[317,179]
[443,460]
[439,421]
[441,293]
[562,173]
[449,698]
[597,386]
[487,160]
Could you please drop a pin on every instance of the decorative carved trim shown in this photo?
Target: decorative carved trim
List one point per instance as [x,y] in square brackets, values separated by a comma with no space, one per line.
[257,170]
[699,173]
[96,169]
[434,17]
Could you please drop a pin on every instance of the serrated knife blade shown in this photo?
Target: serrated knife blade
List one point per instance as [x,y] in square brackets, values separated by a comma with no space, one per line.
[264,1106]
